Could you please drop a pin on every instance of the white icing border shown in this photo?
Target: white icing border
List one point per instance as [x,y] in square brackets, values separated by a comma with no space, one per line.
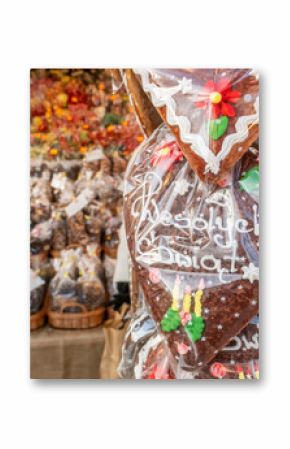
[162,96]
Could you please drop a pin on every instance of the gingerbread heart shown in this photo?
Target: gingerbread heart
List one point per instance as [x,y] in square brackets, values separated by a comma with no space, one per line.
[194,247]
[213,113]
[238,360]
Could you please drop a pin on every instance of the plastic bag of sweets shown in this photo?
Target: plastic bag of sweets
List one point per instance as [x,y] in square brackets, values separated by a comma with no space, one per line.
[59,229]
[40,211]
[63,285]
[76,229]
[93,221]
[40,200]
[112,227]
[37,292]
[37,169]
[92,251]
[40,186]
[89,288]
[40,237]
[86,179]
[94,163]
[72,169]
[63,188]
[107,188]
[41,264]
[194,246]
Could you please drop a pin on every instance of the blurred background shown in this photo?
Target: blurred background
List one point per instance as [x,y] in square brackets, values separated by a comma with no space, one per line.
[82,133]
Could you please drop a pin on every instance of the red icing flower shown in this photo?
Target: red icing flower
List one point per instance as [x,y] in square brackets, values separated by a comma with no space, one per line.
[166,155]
[218,370]
[219,96]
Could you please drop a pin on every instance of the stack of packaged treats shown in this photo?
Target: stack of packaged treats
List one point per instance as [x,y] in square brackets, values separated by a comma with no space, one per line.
[191,209]
[40,241]
[75,220]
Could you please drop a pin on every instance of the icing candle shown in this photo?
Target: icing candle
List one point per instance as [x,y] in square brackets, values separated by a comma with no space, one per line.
[257,373]
[197,298]
[248,373]
[240,372]
[187,299]
[175,294]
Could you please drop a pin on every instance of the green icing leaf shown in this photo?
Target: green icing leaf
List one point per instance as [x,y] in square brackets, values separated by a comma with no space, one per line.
[250,180]
[218,127]
[170,321]
[195,328]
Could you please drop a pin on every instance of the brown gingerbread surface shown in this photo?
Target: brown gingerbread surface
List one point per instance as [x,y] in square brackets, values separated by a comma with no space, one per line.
[184,233]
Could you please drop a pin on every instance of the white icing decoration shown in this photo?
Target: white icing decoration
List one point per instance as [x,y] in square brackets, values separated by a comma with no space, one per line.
[251,272]
[239,342]
[220,232]
[162,96]
[181,187]
[248,98]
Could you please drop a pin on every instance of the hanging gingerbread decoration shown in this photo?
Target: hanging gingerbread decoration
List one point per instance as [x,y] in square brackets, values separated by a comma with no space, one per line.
[213,113]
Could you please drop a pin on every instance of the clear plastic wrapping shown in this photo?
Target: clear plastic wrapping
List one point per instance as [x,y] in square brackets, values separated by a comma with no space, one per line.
[40,237]
[77,285]
[194,247]
[76,229]
[89,288]
[93,221]
[59,229]
[37,291]
[112,227]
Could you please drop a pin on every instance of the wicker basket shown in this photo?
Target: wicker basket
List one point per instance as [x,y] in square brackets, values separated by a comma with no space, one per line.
[81,320]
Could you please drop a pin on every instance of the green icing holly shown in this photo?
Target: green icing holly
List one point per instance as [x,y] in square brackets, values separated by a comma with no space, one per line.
[195,327]
[170,321]
[218,127]
[250,180]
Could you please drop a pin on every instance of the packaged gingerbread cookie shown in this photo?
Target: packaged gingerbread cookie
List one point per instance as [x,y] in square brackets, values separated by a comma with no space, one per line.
[213,113]
[194,246]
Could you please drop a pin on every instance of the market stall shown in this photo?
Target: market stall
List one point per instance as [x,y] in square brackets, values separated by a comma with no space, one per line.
[82,135]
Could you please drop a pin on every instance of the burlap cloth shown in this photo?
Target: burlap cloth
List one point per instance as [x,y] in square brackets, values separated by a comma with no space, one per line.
[66,354]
